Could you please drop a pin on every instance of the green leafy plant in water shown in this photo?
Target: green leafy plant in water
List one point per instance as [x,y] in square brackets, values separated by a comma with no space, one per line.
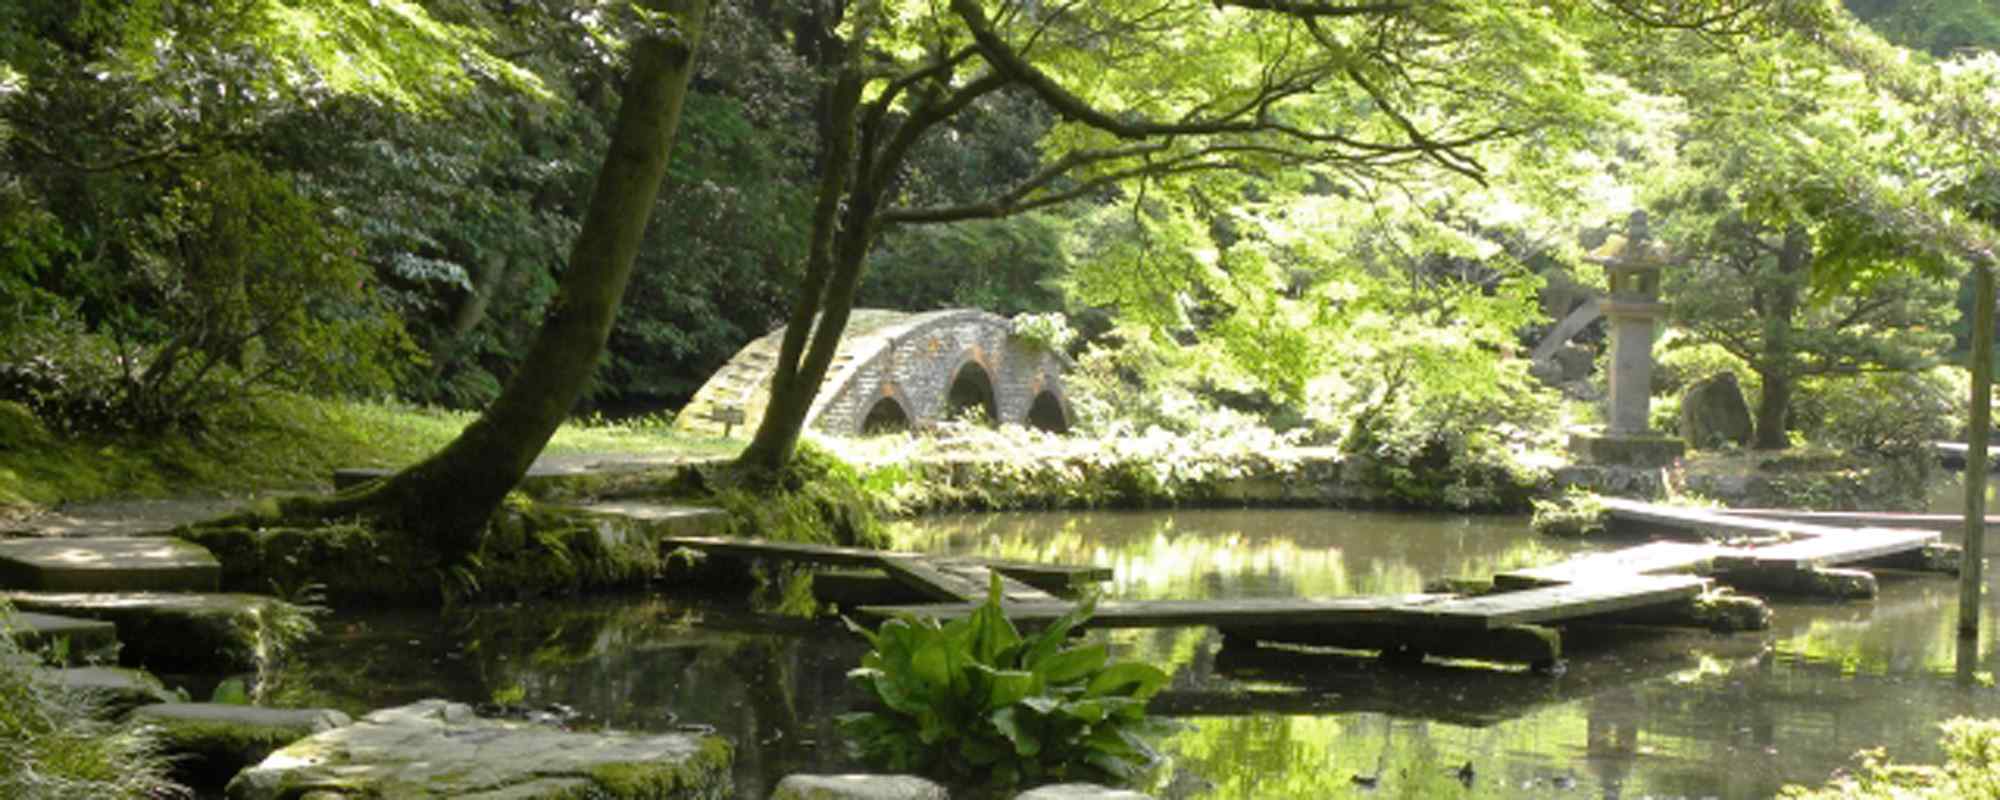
[973,701]
[1971,769]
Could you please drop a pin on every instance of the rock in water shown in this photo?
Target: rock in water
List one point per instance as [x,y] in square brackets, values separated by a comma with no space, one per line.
[1713,413]
[858,787]
[437,749]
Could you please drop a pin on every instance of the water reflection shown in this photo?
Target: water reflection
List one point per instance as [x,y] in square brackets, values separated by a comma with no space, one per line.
[1640,713]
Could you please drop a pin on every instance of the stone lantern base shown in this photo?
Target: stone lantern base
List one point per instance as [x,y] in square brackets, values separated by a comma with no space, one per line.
[1642,450]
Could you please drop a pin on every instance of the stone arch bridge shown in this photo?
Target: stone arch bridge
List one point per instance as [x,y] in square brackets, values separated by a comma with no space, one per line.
[898,371]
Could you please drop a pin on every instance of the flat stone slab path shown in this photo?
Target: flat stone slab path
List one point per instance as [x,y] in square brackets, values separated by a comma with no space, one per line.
[1457,612]
[108,564]
[936,577]
[118,689]
[168,631]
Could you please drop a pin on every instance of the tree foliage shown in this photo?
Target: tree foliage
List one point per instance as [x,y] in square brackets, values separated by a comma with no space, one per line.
[1169,94]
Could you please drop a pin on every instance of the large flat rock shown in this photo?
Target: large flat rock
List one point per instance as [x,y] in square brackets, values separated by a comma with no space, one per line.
[436,749]
[211,742]
[108,564]
[1079,791]
[858,787]
[173,632]
[82,640]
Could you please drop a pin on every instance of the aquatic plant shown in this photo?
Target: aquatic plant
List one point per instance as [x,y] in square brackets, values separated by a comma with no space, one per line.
[972,701]
[1971,769]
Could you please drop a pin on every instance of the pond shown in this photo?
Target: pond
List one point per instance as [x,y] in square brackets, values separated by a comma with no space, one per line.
[1639,713]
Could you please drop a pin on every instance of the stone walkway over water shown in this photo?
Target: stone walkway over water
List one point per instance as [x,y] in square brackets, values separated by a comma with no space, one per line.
[897,371]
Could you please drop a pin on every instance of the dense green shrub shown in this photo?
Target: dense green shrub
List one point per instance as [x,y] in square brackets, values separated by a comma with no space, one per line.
[1884,413]
[52,747]
[972,701]
[223,282]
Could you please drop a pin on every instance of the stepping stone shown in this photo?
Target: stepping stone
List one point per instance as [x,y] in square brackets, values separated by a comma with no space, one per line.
[1079,791]
[174,632]
[438,749]
[211,742]
[108,564]
[858,787]
[118,690]
[88,640]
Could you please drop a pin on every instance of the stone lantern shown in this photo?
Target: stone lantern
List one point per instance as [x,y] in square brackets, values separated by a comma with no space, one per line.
[1632,263]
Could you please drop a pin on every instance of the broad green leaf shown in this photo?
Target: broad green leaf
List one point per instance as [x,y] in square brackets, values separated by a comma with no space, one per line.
[1007,687]
[1074,664]
[1008,722]
[1132,679]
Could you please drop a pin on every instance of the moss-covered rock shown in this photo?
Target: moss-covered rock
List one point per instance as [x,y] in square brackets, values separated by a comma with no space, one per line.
[530,549]
[1574,516]
[211,742]
[437,749]
[353,562]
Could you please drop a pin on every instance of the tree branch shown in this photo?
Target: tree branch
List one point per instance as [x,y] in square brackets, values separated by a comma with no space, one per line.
[1307,9]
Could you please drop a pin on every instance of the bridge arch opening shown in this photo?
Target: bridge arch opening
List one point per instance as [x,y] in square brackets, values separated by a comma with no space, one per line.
[885,416]
[971,395]
[1046,414]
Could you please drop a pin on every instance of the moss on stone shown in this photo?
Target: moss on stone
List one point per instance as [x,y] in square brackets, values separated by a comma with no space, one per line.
[210,751]
[530,549]
[704,776]
[351,561]
[1724,612]
[1573,516]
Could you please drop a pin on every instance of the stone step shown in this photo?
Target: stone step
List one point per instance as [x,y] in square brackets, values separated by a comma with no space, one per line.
[173,631]
[117,690]
[656,521]
[87,640]
[108,564]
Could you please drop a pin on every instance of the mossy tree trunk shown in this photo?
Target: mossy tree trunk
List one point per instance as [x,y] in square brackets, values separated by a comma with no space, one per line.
[451,495]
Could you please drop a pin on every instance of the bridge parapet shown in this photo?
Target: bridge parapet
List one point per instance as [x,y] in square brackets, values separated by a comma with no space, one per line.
[897,370]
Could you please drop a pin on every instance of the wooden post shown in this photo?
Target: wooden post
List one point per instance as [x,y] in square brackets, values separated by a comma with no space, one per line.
[1978,433]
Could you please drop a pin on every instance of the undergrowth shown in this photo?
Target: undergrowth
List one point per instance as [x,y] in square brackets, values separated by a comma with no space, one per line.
[52,746]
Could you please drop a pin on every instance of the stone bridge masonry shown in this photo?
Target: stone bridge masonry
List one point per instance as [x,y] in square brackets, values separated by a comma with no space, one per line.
[897,371]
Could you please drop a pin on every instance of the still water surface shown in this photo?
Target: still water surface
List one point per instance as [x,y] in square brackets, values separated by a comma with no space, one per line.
[1640,712]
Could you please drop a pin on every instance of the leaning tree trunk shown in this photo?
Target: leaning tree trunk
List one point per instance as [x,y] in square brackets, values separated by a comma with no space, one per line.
[451,495]
[843,219]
